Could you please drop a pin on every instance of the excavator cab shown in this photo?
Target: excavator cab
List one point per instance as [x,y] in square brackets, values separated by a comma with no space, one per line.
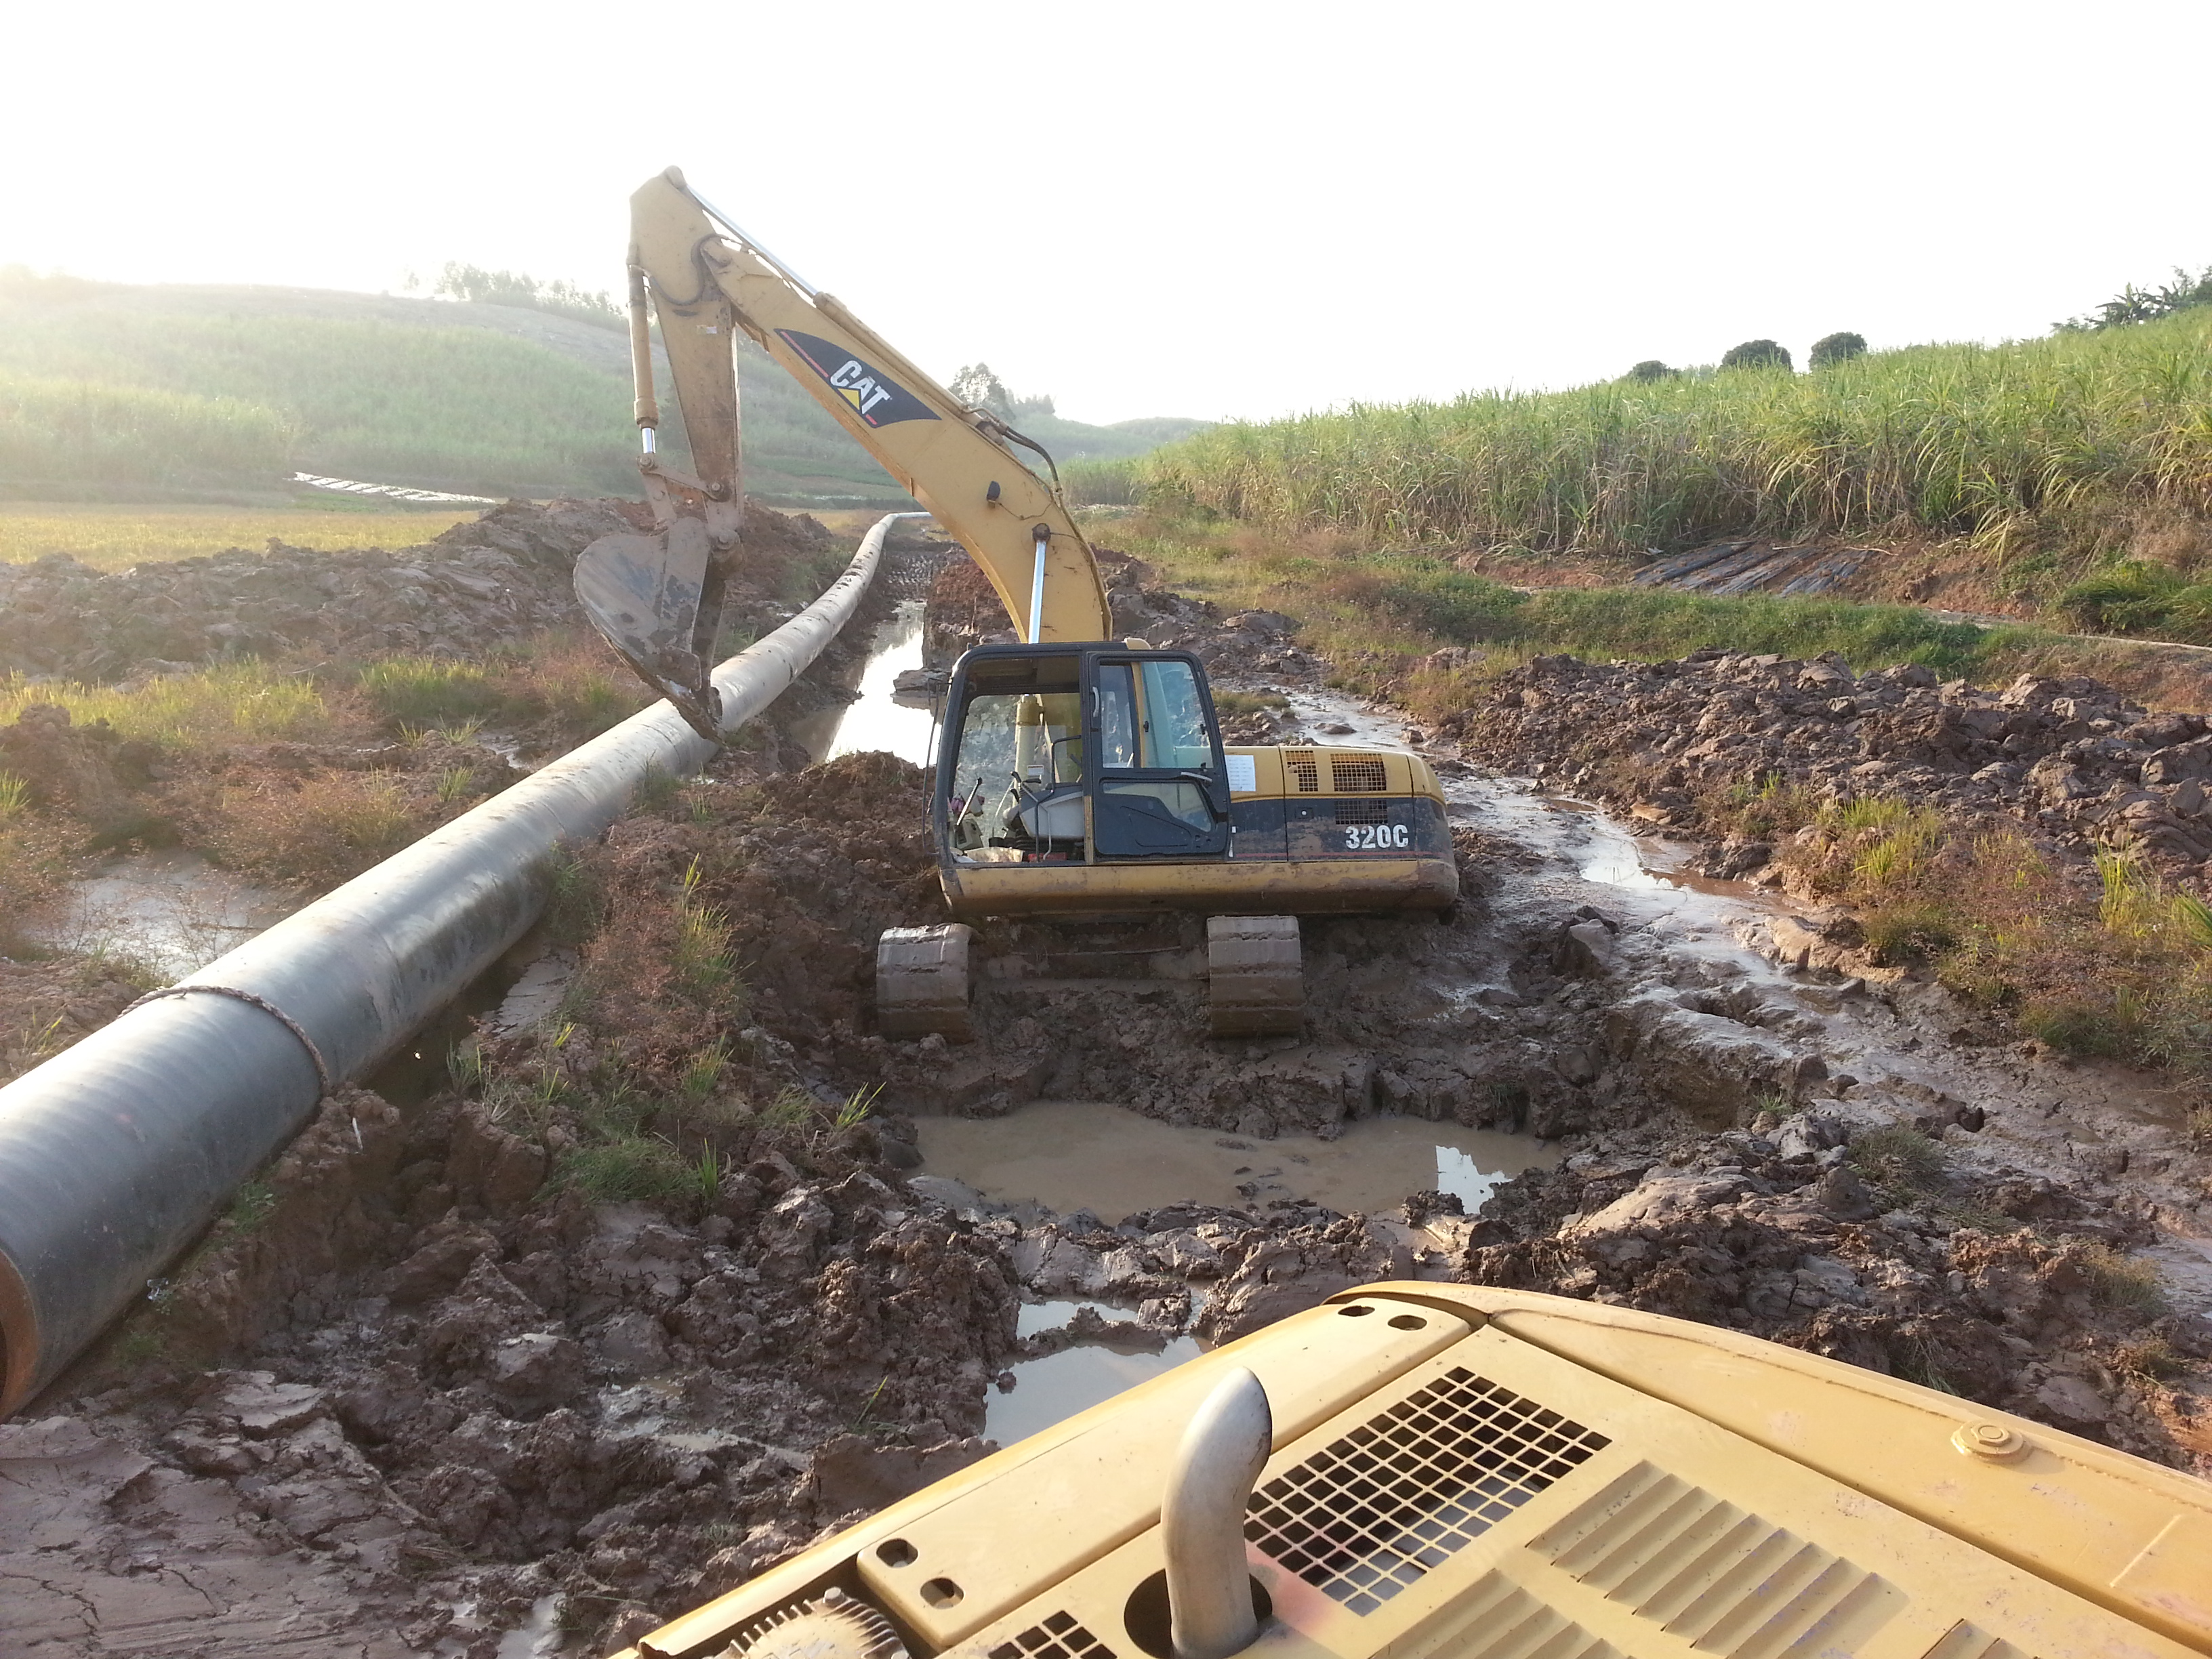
[1080,755]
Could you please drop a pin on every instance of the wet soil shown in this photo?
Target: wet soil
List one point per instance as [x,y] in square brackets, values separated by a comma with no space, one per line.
[664,1276]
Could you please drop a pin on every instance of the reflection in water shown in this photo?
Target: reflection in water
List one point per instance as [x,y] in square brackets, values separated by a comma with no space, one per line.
[874,722]
[1080,1155]
[1050,1390]
[168,910]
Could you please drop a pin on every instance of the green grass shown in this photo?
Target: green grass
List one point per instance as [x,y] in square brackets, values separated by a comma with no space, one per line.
[2007,443]
[2141,596]
[627,1167]
[231,701]
[427,691]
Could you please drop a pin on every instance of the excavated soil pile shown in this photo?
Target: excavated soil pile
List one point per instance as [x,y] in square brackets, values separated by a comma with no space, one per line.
[474,588]
[1250,645]
[2072,760]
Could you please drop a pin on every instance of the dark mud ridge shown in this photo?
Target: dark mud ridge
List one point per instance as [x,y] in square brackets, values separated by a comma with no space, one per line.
[642,1299]
[2071,760]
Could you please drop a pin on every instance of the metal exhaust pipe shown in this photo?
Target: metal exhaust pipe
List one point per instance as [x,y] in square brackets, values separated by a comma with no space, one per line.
[1210,1610]
[117,1153]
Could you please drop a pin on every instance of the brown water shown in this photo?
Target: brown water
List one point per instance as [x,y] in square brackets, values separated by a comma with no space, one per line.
[1082,1155]
[874,722]
[1053,1389]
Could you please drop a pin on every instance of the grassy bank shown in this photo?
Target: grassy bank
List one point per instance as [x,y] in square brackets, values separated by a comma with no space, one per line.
[1374,614]
[2122,974]
[2045,452]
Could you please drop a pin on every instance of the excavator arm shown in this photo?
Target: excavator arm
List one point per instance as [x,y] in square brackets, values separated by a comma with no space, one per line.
[656,596]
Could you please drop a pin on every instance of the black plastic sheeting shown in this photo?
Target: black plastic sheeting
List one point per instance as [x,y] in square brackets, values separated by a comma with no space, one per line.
[1755,567]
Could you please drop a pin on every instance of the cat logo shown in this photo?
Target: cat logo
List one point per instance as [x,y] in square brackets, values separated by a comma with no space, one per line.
[874,395]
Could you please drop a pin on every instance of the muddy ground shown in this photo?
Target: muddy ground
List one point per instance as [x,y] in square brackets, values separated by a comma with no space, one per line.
[643,1292]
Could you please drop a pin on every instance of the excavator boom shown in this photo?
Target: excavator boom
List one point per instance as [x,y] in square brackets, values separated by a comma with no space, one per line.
[654,596]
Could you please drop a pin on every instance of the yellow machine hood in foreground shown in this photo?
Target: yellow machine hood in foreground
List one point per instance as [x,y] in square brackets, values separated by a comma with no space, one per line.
[1467,1472]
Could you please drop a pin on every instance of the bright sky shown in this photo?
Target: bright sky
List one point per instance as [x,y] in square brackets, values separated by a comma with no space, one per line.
[1192,207]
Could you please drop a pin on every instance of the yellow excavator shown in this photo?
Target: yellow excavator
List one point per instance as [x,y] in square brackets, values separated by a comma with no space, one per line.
[1077,774]
[1410,1471]
[1426,1471]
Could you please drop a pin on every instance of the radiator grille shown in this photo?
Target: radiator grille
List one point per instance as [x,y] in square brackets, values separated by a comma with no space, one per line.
[1963,1641]
[1720,1579]
[1058,1637]
[1370,1513]
[1305,771]
[1496,1619]
[1357,774]
[1362,812]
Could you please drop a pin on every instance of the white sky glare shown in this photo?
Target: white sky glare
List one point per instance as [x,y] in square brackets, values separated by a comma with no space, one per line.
[1213,208]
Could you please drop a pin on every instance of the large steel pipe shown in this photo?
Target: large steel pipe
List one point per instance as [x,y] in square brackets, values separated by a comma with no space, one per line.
[116,1154]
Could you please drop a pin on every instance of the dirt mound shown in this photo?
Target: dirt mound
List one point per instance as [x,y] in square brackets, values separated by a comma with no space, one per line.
[2072,760]
[90,771]
[474,588]
[964,611]
[46,1005]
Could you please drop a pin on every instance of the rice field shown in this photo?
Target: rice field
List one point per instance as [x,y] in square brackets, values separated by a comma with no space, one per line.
[117,536]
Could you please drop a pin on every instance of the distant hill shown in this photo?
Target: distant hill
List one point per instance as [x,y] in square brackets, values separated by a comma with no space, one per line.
[111,391]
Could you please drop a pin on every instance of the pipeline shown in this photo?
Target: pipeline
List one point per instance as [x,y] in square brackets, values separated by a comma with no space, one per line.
[117,1152]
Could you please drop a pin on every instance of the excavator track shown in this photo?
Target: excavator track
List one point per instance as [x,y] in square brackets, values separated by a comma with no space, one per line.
[1255,976]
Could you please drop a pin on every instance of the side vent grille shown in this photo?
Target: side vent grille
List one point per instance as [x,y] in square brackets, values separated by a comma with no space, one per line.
[1496,1619]
[1369,1514]
[1058,1637]
[1963,1641]
[1305,770]
[1357,774]
[1362,812]
[1720,1579]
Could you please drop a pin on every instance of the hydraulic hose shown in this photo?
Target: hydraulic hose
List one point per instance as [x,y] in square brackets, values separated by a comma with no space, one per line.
[117,1153]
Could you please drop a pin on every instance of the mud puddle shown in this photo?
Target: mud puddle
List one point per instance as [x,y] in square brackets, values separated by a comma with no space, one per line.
[166,908]
[1079,1155]
[873,722]
[1055,1388]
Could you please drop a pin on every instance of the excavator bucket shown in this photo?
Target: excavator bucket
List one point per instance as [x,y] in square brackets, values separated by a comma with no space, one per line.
[657,600]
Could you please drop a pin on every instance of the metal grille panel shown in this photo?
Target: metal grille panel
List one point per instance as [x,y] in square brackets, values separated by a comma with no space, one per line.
[1305,772]
[1720,1579]
[1362,812]
[1357,774]
[1496,1619]
[1058,1636]
[1372,1512]
[1963,1641]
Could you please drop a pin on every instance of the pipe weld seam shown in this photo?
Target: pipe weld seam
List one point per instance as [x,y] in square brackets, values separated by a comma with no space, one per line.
[322,1067]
